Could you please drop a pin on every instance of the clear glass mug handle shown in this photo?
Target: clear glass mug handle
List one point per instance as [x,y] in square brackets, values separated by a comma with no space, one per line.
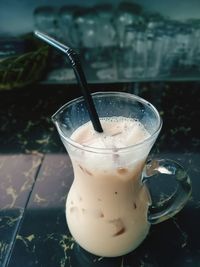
[167,208]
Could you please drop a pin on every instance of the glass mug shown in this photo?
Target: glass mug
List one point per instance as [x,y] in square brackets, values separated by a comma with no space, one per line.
[109,209]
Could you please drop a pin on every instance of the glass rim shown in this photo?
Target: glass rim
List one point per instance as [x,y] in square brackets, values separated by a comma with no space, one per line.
[108,150]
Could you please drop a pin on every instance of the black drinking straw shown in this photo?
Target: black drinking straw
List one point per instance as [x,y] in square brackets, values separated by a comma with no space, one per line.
[80,76]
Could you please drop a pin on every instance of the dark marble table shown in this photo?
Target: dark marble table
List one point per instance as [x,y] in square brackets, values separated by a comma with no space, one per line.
[36,174]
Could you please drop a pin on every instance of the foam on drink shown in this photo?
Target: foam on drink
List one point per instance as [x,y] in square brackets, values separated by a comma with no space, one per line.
[118,132]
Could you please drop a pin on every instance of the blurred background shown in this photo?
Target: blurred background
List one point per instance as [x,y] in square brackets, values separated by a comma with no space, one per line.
[19,13]
[117,40]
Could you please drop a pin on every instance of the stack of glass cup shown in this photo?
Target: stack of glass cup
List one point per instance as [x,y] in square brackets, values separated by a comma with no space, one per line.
[125,41]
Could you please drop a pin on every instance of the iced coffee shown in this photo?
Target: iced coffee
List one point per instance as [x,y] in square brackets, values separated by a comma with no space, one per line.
[107,204]
[108,207]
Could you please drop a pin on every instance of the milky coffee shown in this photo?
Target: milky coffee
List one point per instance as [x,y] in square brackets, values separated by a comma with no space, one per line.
[107,204]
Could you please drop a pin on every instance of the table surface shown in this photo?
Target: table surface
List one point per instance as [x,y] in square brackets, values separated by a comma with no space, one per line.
[36,174]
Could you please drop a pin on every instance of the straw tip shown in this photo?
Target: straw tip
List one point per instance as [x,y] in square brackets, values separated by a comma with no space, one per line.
[38,33]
